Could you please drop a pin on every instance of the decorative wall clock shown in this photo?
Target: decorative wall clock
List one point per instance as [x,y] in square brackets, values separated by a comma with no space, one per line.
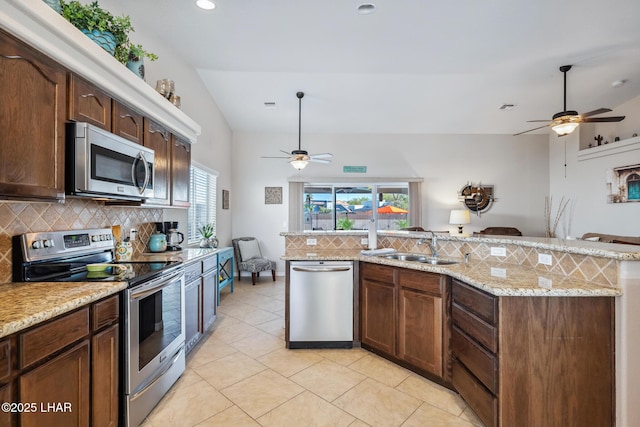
[476,197]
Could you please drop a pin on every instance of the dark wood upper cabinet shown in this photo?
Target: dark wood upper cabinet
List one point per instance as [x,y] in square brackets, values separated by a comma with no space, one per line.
[158,138]
[88,104]
[34,91]
[180,169]
[127,122]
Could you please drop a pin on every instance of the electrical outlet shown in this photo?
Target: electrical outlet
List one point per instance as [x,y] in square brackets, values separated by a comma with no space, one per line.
[132,234]
[312,242]
[543,282]
[499,272]
[498,251]
[545,259]
[364,241]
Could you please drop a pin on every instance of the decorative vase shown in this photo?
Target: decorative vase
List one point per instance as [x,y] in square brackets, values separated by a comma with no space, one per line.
[54,4]
[213,241]
[204,243]
[137,67]
[124,251]
[104,39]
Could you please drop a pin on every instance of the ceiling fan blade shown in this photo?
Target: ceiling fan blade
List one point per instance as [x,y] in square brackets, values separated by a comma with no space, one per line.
[535,121]
[595,112]
[603,119]
[286,152]
[322,156]
[530,130]
[274,157]
[319,160]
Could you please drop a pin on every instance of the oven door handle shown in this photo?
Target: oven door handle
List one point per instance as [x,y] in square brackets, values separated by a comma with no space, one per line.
[155,285]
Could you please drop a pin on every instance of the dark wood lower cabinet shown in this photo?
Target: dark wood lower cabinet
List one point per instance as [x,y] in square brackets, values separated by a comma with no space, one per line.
[59,389]
[378,316]
[105,378]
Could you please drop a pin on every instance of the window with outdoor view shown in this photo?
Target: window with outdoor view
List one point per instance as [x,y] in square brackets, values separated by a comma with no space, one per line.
[202,195]
[351,207]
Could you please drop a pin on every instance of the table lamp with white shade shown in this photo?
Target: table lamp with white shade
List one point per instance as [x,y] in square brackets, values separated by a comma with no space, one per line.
[459,217]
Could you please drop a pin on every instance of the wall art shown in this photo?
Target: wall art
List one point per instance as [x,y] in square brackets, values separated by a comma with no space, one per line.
[272,195]
[623,184]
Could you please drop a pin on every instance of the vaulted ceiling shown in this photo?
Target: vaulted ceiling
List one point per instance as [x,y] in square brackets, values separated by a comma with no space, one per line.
[412,66]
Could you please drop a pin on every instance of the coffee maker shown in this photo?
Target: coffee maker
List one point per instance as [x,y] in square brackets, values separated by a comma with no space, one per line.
[174,237]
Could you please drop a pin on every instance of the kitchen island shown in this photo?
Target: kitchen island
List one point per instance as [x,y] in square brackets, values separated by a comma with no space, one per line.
[585,281]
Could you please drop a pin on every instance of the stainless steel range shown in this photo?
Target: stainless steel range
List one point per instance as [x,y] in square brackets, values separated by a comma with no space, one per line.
[152,343]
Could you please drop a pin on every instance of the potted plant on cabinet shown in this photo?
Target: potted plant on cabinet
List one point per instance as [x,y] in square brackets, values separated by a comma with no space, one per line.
[206,231]
[135,60]
[108,31]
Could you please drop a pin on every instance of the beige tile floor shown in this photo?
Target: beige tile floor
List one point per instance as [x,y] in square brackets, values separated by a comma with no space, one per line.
[241,374]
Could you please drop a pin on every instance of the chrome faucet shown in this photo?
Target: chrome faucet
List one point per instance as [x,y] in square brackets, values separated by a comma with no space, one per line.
[433,246]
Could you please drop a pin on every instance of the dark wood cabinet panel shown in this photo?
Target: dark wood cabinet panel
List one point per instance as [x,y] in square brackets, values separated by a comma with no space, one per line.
[67,378]
[44,340]
[420,318]
[475,301]
[378,316]
[105,312]
[481,331]
[89,104]
[482,363]
[127,122]
[180,171]
[34,92]
[7,418]
[158,139]
[104,378]
[481,400]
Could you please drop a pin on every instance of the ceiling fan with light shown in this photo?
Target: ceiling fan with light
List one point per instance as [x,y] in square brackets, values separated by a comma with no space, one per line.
[300,158]
[566,121]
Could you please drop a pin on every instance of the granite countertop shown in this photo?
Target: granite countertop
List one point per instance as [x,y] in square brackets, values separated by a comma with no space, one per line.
[26,304]
[186,255]
[497,278]
[580,247]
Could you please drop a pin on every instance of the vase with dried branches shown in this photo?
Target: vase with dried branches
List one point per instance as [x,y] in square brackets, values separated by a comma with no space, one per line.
[550,229]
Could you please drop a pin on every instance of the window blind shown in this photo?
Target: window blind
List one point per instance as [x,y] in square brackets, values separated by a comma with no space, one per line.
[203,190]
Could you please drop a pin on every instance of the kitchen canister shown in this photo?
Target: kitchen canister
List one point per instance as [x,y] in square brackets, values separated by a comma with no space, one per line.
[124,251]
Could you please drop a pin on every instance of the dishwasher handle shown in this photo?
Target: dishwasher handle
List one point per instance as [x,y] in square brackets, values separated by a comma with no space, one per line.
[321,269]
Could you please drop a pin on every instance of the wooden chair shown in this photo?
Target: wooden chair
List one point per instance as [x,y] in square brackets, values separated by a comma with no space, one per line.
[499,231]
[249,258]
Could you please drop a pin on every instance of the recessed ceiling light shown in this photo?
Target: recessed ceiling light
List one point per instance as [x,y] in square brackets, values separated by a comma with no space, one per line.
[205,4]
[366,8]
[618,83]
[270,105]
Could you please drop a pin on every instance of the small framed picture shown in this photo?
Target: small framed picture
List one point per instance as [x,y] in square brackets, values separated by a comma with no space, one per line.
[225,199]
[272,195]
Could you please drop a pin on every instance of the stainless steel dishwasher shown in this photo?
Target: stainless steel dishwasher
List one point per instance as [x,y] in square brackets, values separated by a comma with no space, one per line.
[321,304]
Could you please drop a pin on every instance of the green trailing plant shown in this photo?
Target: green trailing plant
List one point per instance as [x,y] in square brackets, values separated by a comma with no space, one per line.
[92,17]
[136,52]
[345,224]
[207,230]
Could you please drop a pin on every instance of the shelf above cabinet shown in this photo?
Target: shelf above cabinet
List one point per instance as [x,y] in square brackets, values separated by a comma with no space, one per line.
[610,149]
[34,22]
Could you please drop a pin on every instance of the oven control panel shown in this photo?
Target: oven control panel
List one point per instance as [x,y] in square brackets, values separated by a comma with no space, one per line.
[36,246]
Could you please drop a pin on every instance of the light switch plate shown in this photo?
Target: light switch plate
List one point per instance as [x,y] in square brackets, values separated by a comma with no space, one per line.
[545,259]
[364,241]
[312,242]
[498,251]
[499,272]
[543,282]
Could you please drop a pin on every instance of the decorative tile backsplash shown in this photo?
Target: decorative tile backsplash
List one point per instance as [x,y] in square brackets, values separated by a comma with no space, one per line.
[24,217]
[591,268]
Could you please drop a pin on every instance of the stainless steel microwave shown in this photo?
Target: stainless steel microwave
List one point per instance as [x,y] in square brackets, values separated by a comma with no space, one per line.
[100,164]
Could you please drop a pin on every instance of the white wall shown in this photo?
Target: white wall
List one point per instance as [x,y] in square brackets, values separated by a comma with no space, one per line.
[585,185]
[213,148]
[518,168]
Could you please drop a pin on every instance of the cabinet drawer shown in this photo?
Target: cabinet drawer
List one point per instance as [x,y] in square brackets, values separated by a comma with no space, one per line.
[475,327]
[421,281]
[105,312]
[480,362]
[483,403]
[89,104]
[477,302]
[45,340]
[209,263]
[192,271]
[224,255]
[379,273]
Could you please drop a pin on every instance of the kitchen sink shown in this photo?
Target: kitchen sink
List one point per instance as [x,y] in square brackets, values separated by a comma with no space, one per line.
[421,258]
